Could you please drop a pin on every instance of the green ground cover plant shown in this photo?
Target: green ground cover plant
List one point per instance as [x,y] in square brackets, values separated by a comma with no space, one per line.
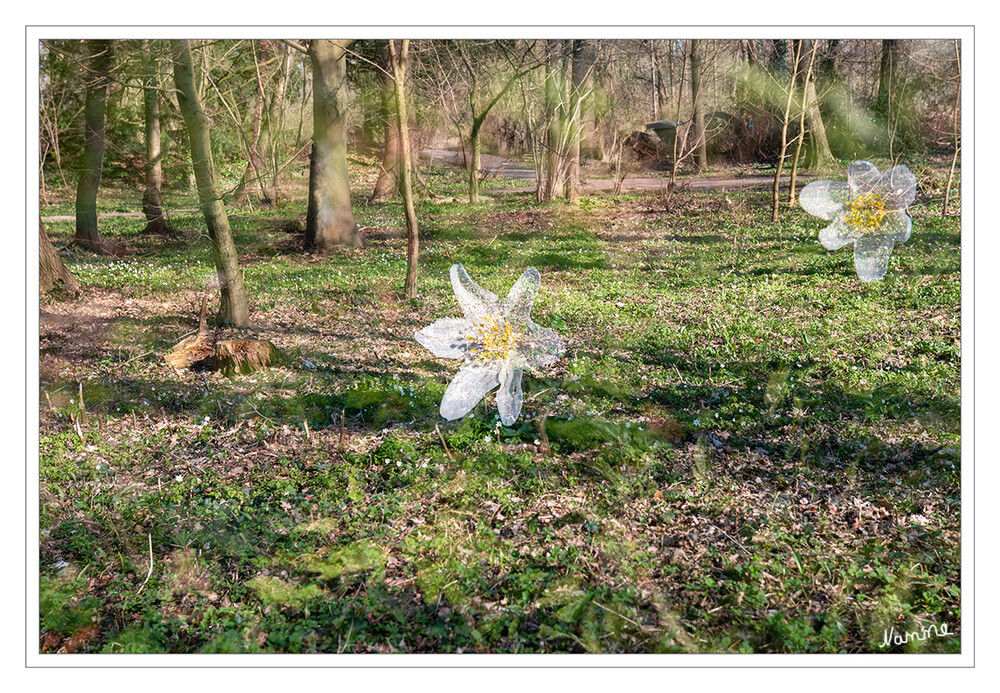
[744,448]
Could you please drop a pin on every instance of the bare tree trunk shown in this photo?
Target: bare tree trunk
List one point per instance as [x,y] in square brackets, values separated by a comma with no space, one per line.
[234,308]
[152,202]
[957,132]
[98,66]
[475,148]
[399,64]
[273,126]
[680,136]
[252,174]
[387,183]
[800,138]
[329,218]
[885,76]
[819,147]
[701,149]
[52,273]
[583,62]
[653,74]
[775,199]
[892,102]
[479,110]
[554,182]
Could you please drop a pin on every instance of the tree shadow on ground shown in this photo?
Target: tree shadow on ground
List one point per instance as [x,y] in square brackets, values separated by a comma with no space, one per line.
[758,402]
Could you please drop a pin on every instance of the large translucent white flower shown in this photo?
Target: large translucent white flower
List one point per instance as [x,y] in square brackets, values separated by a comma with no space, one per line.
[869,210]
[497,341]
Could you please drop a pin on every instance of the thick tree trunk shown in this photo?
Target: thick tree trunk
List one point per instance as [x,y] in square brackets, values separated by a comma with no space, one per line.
[234,308]
[399,64]
[819,145]
[329,218]
[885,75]
[99,63]
[52,273]
[892,102]
[152,204]
[387,183]
[700,146]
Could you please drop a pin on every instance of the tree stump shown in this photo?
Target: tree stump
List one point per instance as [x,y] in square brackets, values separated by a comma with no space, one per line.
[196,352]
[202,352]
[244,355]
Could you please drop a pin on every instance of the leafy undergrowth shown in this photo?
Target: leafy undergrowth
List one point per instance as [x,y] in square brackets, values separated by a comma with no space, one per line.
[745,449]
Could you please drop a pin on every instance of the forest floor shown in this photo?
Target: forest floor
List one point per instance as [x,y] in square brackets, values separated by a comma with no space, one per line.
[744,448]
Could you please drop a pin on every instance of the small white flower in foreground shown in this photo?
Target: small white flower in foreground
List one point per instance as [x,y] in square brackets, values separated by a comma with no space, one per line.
[497,340]
[869,210]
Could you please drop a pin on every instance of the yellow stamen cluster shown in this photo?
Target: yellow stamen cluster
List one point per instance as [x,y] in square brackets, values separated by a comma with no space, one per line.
[492,338]
[866,212]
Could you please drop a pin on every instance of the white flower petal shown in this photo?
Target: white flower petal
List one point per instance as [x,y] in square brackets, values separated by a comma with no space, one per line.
[509,396]
[863,177]
[897,225]
[898,187]
[517,305]
[446,337]
[836,235]
[467,389]
[824,198]
[871,256]
[476,302]
[540,346]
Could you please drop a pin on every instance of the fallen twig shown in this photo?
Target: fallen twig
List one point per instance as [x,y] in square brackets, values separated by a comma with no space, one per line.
[443,443]
[340,443]
[150,573]
[738,544]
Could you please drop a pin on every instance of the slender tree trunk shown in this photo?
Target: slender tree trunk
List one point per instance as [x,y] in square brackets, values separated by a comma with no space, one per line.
[554,182]
[98,79]
[52,273]
[701,149]
[234,308]
[775,193]
[653,74]
[271,135]
[475,149]
[387,183]
[399,64]
[329,218]
[582,66]
[802,123]
[303,99]
[473,155]
[479,109]
[252,174]
[152,202]
[565,117]
[819,147]
[956,121]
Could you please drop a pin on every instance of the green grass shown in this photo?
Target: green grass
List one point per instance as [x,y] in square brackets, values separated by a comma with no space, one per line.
[745,449]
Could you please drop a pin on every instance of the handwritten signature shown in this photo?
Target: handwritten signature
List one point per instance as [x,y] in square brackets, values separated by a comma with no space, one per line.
[891,637]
